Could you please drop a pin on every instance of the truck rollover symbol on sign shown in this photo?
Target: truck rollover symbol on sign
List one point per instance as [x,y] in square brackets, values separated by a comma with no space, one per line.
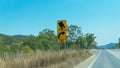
[61,30]
[61,25]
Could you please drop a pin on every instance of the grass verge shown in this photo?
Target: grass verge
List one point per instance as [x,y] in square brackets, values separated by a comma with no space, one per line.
[45,59]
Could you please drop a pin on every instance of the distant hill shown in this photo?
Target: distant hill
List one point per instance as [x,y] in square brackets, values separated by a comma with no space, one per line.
[12,39]
[107,46]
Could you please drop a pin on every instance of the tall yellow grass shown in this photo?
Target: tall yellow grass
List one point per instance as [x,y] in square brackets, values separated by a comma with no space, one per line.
[40,59]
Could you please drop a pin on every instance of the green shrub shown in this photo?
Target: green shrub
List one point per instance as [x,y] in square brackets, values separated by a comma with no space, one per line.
[4,50]
[27,50]
[15,48]
[74,47]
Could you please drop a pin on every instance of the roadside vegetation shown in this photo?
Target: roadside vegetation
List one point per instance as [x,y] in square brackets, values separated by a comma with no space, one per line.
[117,46]
[45,59]
[44,51]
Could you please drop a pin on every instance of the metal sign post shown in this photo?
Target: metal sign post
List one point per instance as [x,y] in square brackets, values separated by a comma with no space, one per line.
[58,47]
[65,47]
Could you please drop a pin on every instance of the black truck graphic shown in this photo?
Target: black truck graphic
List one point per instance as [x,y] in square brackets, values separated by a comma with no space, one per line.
[61,25]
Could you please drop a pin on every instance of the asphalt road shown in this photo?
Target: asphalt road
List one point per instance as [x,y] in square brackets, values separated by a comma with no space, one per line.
[105,60]
[101,59]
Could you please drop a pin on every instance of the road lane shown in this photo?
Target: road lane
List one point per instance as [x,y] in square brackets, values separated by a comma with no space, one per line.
[89,61]
[106,60]
[101,59]
[95,59]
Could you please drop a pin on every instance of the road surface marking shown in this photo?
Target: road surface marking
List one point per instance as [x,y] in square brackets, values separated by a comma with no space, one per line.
[94,60]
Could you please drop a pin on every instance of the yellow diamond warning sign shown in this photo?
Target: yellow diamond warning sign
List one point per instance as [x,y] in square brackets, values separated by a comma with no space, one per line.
[61,30]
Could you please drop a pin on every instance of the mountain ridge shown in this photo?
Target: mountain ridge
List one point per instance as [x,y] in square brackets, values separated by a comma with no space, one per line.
[8,39]
[107,46]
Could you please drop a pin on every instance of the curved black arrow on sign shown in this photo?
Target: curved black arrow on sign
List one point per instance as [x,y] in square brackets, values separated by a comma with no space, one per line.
[60,34]
[61,25]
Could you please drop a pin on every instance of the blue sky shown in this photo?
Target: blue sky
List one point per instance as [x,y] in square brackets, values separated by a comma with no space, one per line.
[26,17]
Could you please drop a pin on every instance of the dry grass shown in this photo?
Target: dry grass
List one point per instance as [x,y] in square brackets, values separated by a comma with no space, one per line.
[45,59]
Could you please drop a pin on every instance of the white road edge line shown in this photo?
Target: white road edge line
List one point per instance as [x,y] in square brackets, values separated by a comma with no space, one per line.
[94,60]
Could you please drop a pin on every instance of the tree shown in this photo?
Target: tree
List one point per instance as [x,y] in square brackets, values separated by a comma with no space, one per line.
[117,46]
[49,32]
[73,31]
[1,41]
[48,39]
[119,43]
[45,40]
[76,37]
[90,40]
[15,47]
[31,41]
[81,42]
